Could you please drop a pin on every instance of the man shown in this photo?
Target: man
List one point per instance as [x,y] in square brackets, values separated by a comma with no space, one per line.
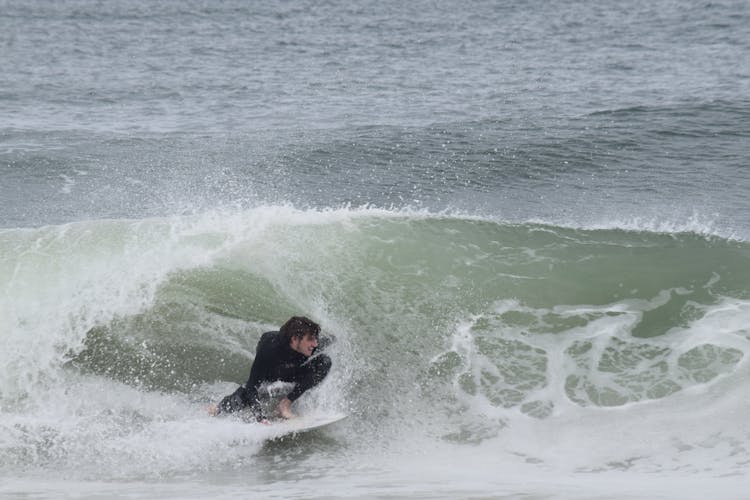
[286,355]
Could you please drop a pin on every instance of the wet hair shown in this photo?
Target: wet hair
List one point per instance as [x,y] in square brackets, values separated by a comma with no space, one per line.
[298,326]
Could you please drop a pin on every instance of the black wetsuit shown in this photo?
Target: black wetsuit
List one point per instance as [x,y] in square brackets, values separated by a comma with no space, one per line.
[276,360]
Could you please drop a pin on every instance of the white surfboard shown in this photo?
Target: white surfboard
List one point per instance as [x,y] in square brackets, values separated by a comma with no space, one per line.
[302,423]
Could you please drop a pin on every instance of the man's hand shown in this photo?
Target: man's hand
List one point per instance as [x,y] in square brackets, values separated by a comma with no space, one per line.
[213,410]
[285,408]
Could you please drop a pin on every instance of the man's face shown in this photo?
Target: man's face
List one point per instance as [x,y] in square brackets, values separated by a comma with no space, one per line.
[304,345]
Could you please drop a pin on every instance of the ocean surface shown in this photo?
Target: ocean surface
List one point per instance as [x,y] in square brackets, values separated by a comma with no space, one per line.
[526,222]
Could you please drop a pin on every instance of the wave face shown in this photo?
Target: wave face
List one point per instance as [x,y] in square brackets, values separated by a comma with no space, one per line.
[451,330]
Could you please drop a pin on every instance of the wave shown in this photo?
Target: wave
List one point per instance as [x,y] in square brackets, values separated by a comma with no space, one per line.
[474,323]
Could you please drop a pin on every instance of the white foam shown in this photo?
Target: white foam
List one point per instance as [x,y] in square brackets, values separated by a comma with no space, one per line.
[100,428]
[698,430]
[63,281]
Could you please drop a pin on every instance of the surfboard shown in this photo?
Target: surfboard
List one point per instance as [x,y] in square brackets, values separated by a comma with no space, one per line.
[303,423]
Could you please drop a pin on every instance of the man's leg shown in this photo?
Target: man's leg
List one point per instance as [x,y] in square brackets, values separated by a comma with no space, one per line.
[314,371]
[240,400]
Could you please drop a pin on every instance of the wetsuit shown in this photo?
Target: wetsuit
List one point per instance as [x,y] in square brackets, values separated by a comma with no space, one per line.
[276,360]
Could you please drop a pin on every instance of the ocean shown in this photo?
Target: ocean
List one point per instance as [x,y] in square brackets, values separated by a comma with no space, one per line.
[525,222]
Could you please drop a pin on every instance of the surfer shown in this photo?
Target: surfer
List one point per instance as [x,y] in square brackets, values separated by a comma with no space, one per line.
[289,355]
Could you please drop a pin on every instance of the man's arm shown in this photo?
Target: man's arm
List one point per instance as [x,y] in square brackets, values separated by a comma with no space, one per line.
[314,371]
[310,374]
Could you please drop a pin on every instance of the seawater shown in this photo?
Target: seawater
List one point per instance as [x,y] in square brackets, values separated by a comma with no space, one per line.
[525,223]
